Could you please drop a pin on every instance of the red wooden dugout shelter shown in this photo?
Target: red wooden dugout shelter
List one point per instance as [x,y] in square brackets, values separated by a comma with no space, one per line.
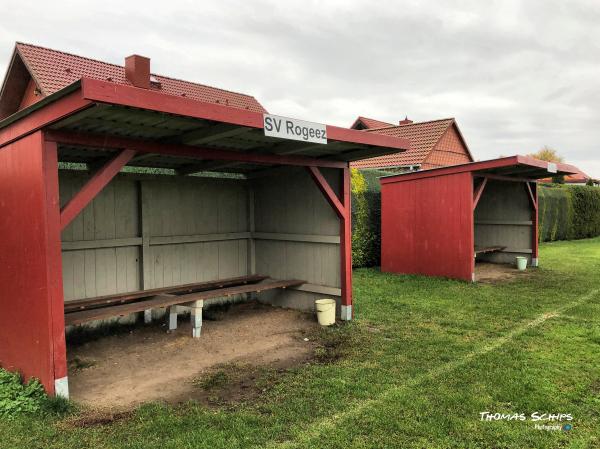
[439,222]
[107,126]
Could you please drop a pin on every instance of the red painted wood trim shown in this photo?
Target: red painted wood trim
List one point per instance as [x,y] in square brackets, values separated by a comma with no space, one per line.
[478,192]
[43,117]
[141,146]
[346,240]
[531,196]
[339,134]
[477,166]
[500,178]
[105,92]
[535,246]
[327,191]
[470,232]
[54,260]
[94,186]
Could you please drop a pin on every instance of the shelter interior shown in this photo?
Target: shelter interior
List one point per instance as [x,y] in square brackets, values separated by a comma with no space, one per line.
[504,221]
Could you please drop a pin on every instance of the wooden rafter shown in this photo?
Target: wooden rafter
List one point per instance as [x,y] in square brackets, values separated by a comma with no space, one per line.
[187,151]
[478,191]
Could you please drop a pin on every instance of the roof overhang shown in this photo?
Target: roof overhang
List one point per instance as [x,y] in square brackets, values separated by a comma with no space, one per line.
[514,168]
[91,118]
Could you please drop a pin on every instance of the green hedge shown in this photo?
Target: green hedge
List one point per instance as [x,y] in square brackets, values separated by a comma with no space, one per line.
[565,213]
[568,212]
[366,217]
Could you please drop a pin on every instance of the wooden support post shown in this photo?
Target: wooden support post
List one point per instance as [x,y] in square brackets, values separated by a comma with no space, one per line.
[54,269]
[94,186]
[535,229]
[196,317]
[172,313]
[252,229]
[146,250]
[346,247]
[343,211]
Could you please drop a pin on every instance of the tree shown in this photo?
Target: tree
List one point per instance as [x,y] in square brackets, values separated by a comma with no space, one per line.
[547,154]
[550,155]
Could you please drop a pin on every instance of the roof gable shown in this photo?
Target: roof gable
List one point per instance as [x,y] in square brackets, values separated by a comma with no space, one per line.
[54,70]
[369,123]
[423,136]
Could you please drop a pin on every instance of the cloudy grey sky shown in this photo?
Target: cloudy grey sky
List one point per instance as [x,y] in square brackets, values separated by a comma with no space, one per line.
[517,75]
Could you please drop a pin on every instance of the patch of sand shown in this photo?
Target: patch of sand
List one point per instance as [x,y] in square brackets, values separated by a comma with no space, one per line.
[150,364]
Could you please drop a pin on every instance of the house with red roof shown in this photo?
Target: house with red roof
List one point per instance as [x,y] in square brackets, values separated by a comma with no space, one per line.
[35,73]
[577,179]
[435,143]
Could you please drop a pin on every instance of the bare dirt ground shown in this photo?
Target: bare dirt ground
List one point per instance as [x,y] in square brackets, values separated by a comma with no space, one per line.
[246,343]
[492,273]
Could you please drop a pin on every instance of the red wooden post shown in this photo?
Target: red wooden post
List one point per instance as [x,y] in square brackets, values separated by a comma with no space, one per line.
[346,247]
[343,211]
[535,246]
[96,183]
[54,269]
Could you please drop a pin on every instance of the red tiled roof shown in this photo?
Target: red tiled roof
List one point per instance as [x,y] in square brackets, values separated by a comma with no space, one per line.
[577,178]
[423,137]
[53,70]
[371,123]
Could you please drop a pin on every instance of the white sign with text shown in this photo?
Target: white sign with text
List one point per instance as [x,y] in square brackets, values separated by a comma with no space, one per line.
[290,128]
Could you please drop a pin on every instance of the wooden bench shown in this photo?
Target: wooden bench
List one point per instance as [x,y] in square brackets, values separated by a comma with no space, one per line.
[121,298]
[488,249]
[121,305]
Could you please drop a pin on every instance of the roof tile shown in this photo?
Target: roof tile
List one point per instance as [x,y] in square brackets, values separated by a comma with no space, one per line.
[54,70]
[423,136]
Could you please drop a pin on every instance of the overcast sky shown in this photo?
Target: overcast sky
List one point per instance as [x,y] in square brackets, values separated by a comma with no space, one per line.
[517,75]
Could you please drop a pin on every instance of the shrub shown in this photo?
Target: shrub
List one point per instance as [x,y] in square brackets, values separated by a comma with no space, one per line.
[586,207]
[18,398]
[362,237]
[568,212]
[366,217]
[555,213]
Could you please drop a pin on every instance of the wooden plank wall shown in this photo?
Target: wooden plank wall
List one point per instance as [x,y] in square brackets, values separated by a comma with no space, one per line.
[426,226]
[148,232]
[297,235]
[503,218]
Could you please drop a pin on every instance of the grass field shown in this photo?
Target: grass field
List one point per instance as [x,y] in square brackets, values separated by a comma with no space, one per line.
[423,359]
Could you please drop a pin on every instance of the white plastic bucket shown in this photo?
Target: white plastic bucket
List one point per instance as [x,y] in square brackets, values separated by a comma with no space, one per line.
[325,311]
[521,263]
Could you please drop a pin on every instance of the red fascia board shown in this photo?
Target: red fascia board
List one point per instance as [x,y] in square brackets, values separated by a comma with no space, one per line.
[111,93]
[118,94]
[476,167]
[143,146]
[42,117]
[399,144]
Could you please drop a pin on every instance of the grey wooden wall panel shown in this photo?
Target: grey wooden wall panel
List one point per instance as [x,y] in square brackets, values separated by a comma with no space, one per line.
[112,214]
[89,273]
[291,203]
[175,207]
[501,202]
[197,206]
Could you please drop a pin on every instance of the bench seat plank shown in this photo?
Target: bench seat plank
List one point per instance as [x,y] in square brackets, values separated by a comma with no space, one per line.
[488,249]
[121,298]
[164,300]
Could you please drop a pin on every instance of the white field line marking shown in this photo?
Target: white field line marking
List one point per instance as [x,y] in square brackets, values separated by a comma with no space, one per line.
[317,429]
